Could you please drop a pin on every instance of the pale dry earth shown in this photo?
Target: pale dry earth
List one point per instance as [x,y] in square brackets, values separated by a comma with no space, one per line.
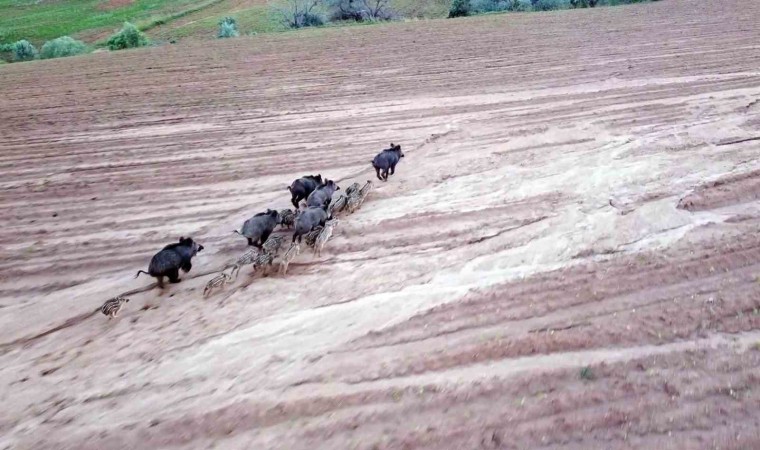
[580,189]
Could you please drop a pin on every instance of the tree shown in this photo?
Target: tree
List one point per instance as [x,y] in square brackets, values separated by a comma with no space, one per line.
[460,8]
[377,9]
[360,10]
[300,13]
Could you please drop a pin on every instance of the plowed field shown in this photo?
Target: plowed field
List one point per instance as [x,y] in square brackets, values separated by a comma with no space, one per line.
[567,256]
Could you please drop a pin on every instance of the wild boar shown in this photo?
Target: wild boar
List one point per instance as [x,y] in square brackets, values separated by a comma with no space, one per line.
[302,187]
[322,195]
[312,217]
[387,160]
[258,228]
[171,259]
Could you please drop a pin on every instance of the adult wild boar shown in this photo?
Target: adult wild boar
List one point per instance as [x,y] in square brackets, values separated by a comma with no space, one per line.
[258,228]
[171,259]
[302,187]
[322,195]
[387,160]
[310,218]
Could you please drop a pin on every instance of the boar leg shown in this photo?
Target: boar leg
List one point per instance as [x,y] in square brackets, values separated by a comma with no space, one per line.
[173,276]
[265,236]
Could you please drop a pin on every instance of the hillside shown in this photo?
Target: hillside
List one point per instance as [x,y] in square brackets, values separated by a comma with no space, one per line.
[93,20]
[568,255]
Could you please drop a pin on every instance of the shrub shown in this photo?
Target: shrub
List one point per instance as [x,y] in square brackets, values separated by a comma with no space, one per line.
[128,37]
[307,19]
[227,28]
[377,9]
[587,374]
[548,5]
[23,50]
[360,10]
[62,47]
[346,10]
[517,5]
[486,6]
[300,13]
[460,8]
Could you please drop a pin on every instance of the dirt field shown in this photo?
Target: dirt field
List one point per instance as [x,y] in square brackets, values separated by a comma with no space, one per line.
[568,255]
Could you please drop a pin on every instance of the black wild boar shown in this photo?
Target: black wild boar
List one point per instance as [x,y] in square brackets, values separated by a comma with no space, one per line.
[310,218]
[322,195]
[302,187]
[258,228]
[387,160]
[170,259]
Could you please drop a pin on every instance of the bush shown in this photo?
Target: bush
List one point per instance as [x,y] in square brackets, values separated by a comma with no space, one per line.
[304,19]
[360,10]
[548,5]
[299,13]
[62,47]
[227,28]
[128,37]
[345,10]
[378,10]
[23,50]
[486,6]
[460,8]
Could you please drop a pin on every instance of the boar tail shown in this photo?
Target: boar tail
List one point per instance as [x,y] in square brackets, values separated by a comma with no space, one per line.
[141,271]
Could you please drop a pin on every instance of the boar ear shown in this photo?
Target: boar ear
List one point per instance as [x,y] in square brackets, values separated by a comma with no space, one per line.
[181,238]
[392,146]
[398,147]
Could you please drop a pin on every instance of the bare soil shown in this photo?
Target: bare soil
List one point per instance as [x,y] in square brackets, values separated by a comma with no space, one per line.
[567,257]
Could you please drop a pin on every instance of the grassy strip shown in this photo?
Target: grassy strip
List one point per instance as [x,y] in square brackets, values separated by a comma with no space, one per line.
[41,21]
[252,20]
[166,18]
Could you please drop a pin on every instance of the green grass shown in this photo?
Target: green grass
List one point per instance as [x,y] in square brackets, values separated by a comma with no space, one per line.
[256,19]
[260,19]
[39,21]
[169,17]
